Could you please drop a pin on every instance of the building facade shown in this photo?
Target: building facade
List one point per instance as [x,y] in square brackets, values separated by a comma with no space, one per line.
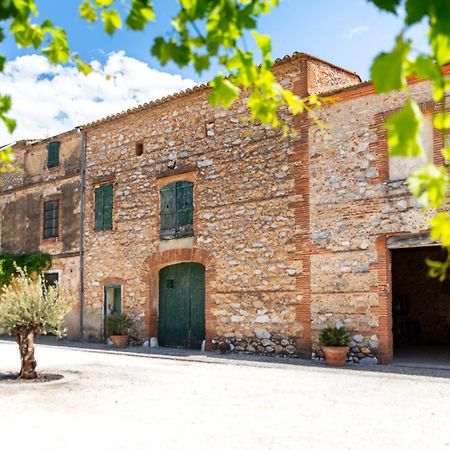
[40,210]
[203,226]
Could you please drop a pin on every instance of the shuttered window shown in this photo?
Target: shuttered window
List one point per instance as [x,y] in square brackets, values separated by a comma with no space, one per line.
[53,154]
[103,207]
[177,211]
[51,219]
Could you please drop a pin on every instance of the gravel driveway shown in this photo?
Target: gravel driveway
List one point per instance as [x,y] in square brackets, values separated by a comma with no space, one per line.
[115,401]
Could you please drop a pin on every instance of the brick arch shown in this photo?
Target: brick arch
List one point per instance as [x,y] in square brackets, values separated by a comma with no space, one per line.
[150,277]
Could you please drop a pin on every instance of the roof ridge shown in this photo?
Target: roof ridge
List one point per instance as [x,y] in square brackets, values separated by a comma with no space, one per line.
[200,87]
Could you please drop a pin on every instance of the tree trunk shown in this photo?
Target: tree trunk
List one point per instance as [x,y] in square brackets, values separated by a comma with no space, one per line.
[25,339]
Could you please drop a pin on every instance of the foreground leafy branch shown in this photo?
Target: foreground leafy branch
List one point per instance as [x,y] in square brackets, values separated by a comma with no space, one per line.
[390,71]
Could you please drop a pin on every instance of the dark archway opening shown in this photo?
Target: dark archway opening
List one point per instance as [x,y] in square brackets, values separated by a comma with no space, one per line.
[420,308]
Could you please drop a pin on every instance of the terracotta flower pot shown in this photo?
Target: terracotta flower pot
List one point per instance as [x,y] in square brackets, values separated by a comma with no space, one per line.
[119,341]
[335,356]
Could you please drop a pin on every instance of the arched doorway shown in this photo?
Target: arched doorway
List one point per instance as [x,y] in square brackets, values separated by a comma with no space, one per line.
[181,319]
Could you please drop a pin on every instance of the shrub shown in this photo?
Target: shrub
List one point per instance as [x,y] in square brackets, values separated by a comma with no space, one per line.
[336,337]
[28,307]
[33,263]
[118,324]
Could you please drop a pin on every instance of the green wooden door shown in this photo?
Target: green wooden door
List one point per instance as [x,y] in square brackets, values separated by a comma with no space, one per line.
[182,305]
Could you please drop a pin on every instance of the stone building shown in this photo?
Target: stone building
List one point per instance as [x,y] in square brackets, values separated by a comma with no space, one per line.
[204,226]
[40,210]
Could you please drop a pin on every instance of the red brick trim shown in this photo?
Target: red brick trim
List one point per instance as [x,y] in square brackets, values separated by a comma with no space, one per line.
[383,267]
[150,277]
[300,163]
[367,88]
[380,145]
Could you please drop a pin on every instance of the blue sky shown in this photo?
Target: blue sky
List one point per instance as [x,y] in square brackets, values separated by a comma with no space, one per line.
[348,33]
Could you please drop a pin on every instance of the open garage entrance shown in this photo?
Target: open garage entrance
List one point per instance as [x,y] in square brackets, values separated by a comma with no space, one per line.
[420,308]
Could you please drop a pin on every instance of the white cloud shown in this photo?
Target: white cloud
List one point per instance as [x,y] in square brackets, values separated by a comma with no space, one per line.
[355,31]
[50,99]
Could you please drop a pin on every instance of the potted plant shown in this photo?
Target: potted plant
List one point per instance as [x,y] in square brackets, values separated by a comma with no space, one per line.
[118,326]
[334,342]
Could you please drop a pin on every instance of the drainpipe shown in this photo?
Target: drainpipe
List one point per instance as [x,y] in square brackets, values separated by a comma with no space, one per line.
[82,189]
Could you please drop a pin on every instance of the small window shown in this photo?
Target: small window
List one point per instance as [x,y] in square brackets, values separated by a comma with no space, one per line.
[177,211]
[103,207]
[139,148]
[51,219]
[53,154]
[51,279]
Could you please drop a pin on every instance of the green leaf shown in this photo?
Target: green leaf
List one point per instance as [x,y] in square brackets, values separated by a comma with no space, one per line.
[10,123]
[2,63]
[424,67]
[201,63]
[264,44]
[223,93]
[387,5]
[57,50]
[166,51]
[140,14]
[111,20]
[441,121]
[87,12]
[82,66]
[404,131]
[440,87]
[440,228]
[446,153]
[429,185]
[388,69]
[437,269]
[416,10]
[5,103]
[104,3]
[7,158]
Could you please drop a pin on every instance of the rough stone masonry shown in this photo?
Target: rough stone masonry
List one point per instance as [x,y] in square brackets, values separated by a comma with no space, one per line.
[293,233]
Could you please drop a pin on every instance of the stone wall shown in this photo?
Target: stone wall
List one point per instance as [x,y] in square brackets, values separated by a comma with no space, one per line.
[245,208]
[353,208]
[293,233]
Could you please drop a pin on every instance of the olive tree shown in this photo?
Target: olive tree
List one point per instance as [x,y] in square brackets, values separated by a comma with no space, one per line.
[29,307]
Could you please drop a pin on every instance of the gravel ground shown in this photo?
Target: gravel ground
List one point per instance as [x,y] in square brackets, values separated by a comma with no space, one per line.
[126,401]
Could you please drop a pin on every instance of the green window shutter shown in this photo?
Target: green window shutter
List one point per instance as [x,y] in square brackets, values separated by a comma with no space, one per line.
[53,154]
[51,219]
[168,207]
[117,300]
[103,207]
[184,203]
[107,206]
[98,211]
